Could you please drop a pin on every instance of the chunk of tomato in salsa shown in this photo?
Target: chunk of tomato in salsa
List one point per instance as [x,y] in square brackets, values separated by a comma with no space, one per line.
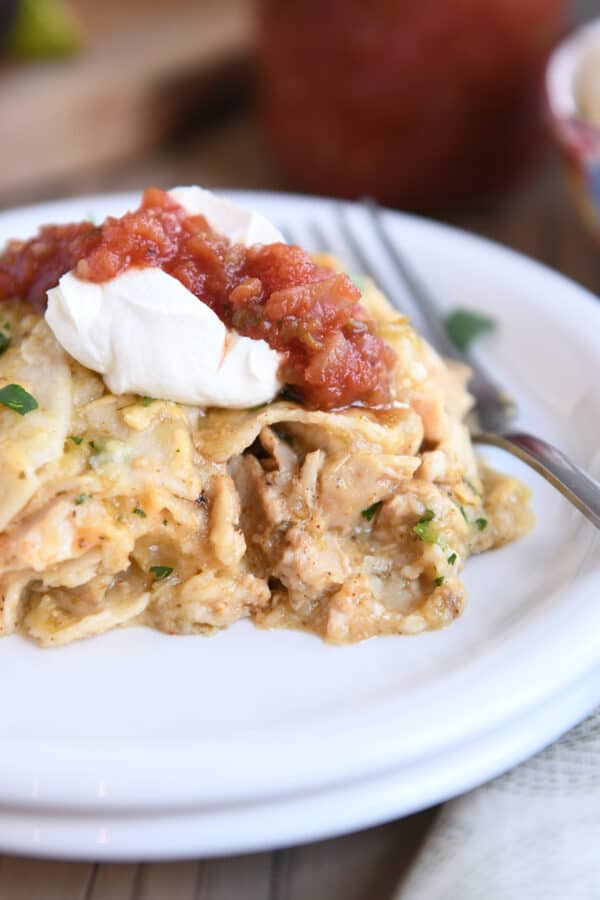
[331,354]
[314,316]
[30,268]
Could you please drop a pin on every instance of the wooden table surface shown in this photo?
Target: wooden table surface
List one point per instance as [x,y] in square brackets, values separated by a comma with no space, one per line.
[536,219]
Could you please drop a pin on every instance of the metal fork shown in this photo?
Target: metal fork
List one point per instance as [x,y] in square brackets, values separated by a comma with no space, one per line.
[494,408]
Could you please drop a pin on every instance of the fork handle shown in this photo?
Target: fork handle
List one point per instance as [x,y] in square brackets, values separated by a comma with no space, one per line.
[573,482]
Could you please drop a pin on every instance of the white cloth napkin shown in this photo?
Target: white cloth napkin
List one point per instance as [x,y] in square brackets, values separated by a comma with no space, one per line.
[532,833]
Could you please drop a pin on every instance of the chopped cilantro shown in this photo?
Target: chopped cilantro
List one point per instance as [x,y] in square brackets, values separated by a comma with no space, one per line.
[18,399]
[4,342]
[137,511]
[452,559]
[462,509]
[370,511]
[471,486]
[424,530]
[76,439]
[161,572]
[463,326]
[481,524]
[165,522]
[92,445]
[146,401]
[439,580]
[7,325]
[260,406]
[82,498]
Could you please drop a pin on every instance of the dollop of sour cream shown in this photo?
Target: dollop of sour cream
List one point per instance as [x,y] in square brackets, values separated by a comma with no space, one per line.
[145,333]
[240,225]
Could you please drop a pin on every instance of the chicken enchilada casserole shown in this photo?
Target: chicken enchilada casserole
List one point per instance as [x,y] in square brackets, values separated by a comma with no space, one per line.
[200,423]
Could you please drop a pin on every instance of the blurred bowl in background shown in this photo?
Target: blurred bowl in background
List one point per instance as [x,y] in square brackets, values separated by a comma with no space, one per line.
[573,91]
[420,103]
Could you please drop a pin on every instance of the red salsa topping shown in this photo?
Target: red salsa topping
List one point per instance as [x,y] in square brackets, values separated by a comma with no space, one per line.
[331,354]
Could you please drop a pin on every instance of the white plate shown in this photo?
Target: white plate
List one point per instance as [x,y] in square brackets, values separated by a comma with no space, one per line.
[138,745]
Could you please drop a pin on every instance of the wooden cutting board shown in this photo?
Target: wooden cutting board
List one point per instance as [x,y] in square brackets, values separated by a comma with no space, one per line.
[144,68]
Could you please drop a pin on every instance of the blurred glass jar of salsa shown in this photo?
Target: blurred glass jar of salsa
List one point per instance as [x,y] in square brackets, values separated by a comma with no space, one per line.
[418,102]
